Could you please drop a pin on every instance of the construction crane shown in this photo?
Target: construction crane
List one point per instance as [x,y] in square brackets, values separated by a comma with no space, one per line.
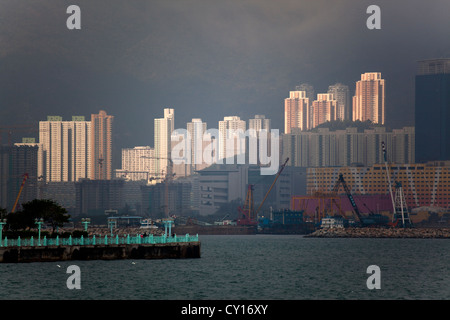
[372,219]
[273,183]
[25,177]
[342,182]
[248,216]
[248,213]
[388,175]
[400,216]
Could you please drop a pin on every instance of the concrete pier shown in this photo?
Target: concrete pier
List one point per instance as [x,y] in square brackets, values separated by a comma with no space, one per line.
[175,250]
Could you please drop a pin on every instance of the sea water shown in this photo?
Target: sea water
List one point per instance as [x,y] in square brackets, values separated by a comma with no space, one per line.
[249,267]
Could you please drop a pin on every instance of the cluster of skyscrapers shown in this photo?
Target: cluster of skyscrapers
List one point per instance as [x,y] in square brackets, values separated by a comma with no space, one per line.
[154,163]
[72,161]
[67,151]
[303,110]
[76,149]
[419,156]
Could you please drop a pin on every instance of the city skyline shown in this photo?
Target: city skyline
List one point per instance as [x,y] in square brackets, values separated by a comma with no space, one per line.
[302,145]
[70,143]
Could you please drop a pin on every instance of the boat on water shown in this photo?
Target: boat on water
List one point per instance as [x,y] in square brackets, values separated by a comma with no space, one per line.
[148,224]
[332,222]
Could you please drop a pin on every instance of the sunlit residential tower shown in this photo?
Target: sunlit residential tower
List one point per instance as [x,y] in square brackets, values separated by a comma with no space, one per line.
[432,110]
[229,130]
[138,163]
[162,142]
[341,94]
[66,147]
[258,123]
[101,146]
[50,136]
[196,129]
[368,101]
[297,111]
[323,109]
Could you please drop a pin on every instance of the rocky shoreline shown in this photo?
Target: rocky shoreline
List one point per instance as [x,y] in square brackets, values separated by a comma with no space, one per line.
[420,233]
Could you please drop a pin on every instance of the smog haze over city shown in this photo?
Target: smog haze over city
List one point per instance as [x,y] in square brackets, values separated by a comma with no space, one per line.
[205,59]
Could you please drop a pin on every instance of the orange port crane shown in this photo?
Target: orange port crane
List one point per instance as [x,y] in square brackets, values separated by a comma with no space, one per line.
[25,177]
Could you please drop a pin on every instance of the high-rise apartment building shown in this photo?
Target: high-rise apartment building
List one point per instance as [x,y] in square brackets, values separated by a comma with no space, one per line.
[138,163]
[347,147]
[432,110]
[323,109]
[31,142]
[188,147]
[297,111]
[66,148]
[259,123]
[15,162]
[196,128]
[368,101]
[230,141]
[101,146]
[163,131]
[341,94]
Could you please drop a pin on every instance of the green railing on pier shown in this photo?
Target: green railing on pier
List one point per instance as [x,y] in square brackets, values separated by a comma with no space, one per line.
[96,240]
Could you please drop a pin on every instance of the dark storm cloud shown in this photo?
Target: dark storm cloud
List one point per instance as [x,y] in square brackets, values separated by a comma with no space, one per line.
[206,59]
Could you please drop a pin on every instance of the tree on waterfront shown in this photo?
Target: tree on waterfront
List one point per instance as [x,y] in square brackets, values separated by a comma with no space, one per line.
[50,211]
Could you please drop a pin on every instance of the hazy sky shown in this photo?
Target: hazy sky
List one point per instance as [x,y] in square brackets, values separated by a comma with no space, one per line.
[205,58]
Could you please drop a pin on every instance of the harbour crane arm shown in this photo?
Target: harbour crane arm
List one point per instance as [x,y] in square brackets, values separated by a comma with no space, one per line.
[273,183]
[25,177]
[349,195]
[388,176]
